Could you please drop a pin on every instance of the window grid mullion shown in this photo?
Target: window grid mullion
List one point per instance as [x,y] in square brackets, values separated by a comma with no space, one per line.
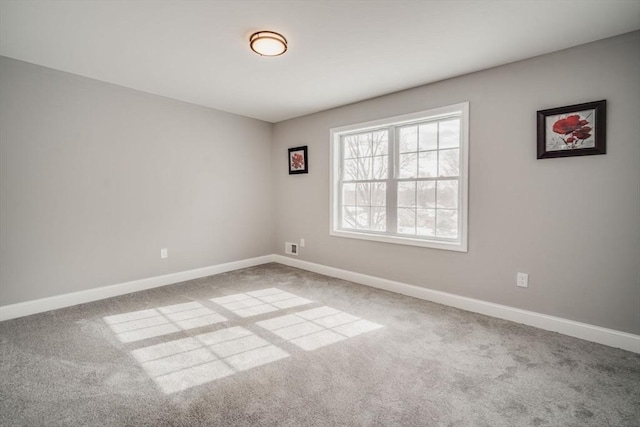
[392,186]
[363,181]
[430,179]
[415,206]
[415,182]
[370,223]
[435,217]
[341,182]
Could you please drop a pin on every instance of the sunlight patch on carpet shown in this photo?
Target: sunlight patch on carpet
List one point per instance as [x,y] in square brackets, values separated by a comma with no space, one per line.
[188,361]
[259,302]
[155,322]
[318,327]
[181,364]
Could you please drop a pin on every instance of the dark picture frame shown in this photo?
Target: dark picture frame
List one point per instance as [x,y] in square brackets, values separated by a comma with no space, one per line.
[298,160]
[574,130]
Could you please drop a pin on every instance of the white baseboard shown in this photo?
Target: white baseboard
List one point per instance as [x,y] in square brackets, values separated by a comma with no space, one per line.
[66,300]
[580,330]
[585,331]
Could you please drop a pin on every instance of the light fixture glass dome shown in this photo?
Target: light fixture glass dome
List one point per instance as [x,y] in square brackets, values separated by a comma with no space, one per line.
[268,43]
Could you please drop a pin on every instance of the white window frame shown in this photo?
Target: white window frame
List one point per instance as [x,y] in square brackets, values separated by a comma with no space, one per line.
[460,244]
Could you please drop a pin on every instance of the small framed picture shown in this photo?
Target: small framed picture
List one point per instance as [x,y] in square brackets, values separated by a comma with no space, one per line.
[298,160]
[575,130]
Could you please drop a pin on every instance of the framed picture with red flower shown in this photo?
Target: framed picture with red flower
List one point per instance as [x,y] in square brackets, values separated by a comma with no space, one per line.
[575,130]
[298,160]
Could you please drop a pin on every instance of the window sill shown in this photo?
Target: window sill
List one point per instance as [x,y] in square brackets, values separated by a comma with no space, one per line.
[457,246]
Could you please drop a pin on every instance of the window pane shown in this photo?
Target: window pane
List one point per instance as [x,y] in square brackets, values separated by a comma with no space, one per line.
[363,195]
[379,219]
[426,222]
[447,223]
[428,164]
[428,136]
[362,218]
[350,147]
[364,168]
[408,165]
[348,217]
[380,167]
[379,194]
[380,142]
[449,164]
[406,194]
[406,221]
[426,197]
[349,194]
[364,145]
[408,139]
[350,171]
[403,179]
[448,194]
[449,133]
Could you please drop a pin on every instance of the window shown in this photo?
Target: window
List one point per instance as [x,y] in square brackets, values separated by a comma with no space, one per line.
[403,180]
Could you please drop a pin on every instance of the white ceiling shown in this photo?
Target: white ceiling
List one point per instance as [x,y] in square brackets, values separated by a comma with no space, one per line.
[339,51]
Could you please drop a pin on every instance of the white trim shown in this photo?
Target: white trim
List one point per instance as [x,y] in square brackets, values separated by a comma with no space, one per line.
[580,330]
[459,244]
[403,240]
[585,331]
[66,300]
[433,113]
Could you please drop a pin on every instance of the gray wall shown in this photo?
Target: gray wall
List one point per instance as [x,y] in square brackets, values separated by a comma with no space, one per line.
[96,178]
[573,224]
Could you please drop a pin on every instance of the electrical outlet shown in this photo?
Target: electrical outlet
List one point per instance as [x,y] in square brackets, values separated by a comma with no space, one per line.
[522,280]
[164,253]
[302,243]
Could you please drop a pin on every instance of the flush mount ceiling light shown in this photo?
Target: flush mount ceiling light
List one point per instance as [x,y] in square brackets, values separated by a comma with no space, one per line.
[268,43]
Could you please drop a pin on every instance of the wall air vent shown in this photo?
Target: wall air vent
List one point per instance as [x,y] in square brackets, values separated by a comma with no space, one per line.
[291,248]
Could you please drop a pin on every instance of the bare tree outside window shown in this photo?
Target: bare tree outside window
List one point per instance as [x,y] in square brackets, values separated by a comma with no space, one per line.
[364,175]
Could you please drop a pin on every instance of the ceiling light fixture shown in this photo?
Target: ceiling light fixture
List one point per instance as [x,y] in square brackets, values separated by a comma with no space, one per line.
[268,43]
